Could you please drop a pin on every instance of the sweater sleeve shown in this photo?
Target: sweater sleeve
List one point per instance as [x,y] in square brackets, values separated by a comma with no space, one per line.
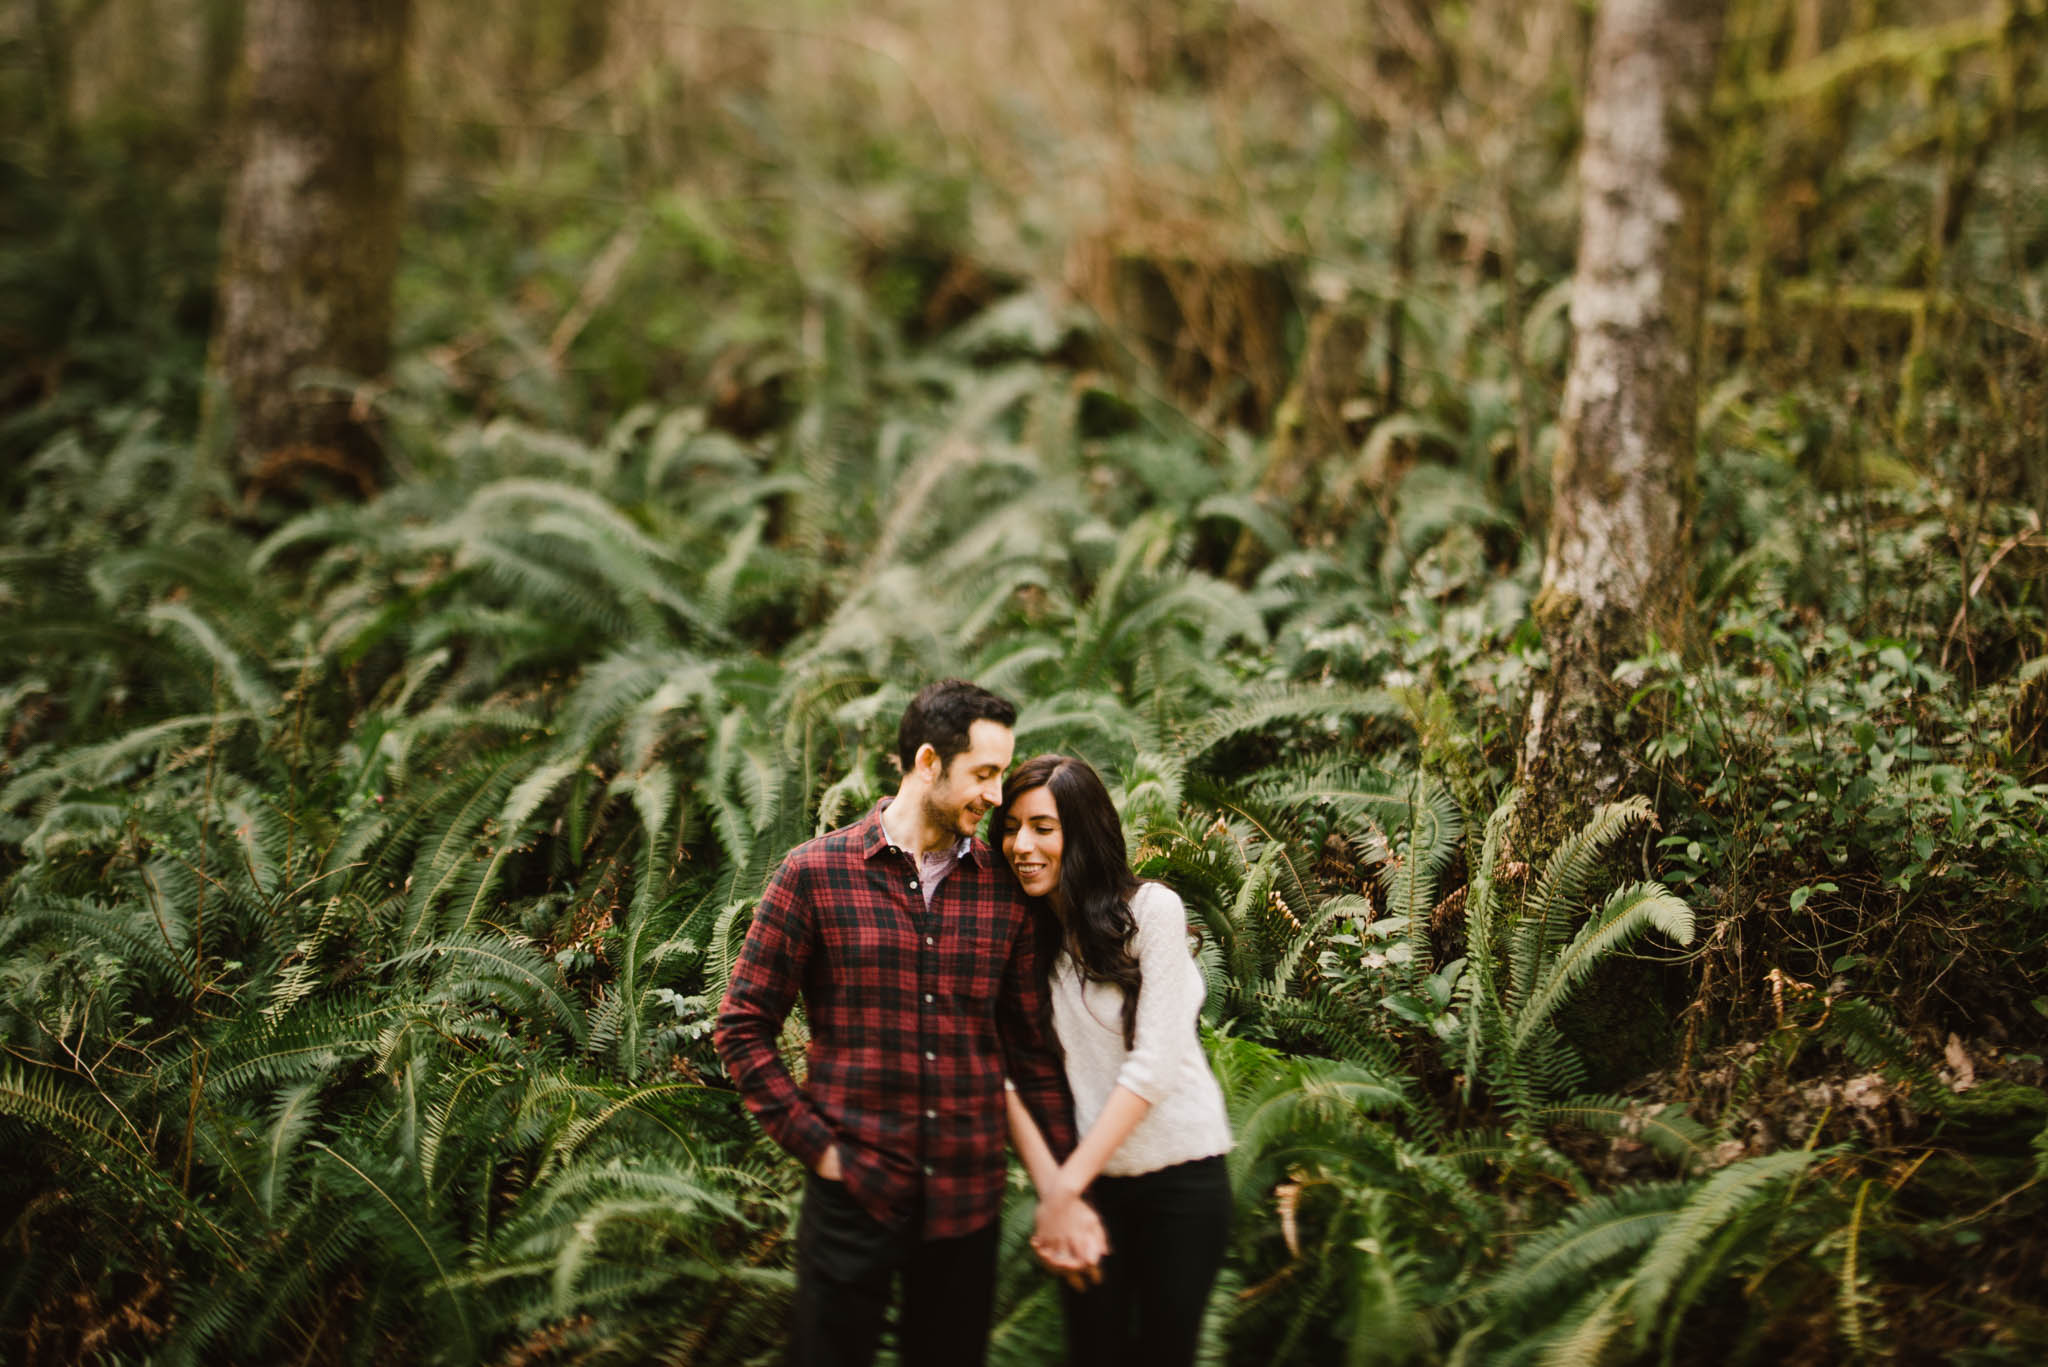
[1170,993]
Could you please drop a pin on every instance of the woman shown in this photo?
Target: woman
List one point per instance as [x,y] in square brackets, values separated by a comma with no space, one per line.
[1124,993]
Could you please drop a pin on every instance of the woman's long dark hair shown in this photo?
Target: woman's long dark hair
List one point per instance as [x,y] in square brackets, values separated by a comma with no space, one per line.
[1096,882]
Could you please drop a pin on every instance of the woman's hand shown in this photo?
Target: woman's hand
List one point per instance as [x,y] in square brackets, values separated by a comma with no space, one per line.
[1069,1239]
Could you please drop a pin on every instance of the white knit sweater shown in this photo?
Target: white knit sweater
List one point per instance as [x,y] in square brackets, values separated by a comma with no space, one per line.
[1165,1065]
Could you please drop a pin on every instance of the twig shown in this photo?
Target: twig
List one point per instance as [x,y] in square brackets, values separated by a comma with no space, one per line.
[604,276]
[2005,548]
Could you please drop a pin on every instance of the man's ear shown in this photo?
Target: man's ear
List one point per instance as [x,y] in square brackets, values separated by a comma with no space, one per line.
[926,761]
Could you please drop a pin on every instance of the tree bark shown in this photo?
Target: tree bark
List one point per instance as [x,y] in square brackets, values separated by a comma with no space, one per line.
[310,244]
[220,57]
[589,36]
[1616,569]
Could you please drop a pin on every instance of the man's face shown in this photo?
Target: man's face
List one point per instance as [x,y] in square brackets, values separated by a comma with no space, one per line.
[962,793]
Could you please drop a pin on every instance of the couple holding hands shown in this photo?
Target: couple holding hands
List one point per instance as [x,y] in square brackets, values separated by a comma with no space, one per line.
[959,997]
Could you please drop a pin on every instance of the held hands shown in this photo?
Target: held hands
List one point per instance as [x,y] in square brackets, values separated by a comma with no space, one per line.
[1069,1239]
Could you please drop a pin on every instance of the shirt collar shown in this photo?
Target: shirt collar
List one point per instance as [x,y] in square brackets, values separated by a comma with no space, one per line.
[874,839]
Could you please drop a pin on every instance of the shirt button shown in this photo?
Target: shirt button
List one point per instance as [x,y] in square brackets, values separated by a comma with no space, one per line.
[928,940]
[930,1057]
[929,1171]
[927,996]
[913,885]
[931,1115]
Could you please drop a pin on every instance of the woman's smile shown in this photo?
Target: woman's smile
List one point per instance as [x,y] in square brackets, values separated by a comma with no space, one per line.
[1032,842]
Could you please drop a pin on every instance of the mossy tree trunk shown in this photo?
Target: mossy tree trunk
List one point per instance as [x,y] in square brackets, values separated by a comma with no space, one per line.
[1616,567]
[310,244]
[220,57]
[57,30]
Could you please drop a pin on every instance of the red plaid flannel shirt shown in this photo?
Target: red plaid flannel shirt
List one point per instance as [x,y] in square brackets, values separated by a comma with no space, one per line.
[916,1017]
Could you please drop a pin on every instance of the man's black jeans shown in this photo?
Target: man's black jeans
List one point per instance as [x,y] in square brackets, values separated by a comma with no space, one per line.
[1168,1231]
[845,1262]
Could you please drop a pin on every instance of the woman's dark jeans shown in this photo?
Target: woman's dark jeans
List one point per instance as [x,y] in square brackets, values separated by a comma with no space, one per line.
[1167,1234]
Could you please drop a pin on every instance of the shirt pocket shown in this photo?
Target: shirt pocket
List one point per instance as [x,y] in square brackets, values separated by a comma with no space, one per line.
[979,954]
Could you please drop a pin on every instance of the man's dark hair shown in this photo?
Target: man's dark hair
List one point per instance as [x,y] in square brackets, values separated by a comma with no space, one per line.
[940,715]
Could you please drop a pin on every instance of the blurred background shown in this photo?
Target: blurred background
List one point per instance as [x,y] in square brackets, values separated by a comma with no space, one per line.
[614,202]
[482,480]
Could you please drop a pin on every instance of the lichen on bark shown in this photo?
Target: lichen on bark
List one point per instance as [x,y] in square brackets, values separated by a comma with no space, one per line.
[310,242]
[1615,570]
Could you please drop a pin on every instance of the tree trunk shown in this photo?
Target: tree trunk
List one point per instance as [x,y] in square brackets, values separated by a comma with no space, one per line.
[1616,567]
[311,241]
[53,49]
[589,37]
[220,57]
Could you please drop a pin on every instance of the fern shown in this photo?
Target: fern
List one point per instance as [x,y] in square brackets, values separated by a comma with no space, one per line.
[449,862]
[1627,914]
[1562,889]
[1596,1235]
[290,1119]
[501,970]
[304,1044]
[1589,1327]
[102,1146]
[1721,1199]
[258,698]
[1389,1295]
[1669,1130]
[1267,704]
[422,1239]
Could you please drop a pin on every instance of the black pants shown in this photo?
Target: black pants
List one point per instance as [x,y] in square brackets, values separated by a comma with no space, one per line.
[845,1262]
[1168,1231]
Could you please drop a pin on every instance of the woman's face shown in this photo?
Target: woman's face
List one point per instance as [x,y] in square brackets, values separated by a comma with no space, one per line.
[1032,842]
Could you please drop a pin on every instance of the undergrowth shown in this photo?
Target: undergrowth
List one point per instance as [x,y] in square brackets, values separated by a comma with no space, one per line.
[368,875]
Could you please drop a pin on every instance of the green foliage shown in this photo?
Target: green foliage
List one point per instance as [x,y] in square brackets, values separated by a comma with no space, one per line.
[369,874]
[1843,789]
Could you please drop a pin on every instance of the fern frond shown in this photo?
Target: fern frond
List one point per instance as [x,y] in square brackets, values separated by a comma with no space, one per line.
[1850,1297]
[307,1043]
[498,968]
[1863,1030]
[1627,915]
[99,1144]
[1341,1026]
[1559,893]
[1480,988]
[1319,1098]
[1669,1130]
[1266,704]
[1589,1240]
[1724,1197]
[96,764]
[243,679]
[481,788]
[1588,1328]
[1390,1293]
[680,1127]
[290,1118]
[520,805]
[426,1244]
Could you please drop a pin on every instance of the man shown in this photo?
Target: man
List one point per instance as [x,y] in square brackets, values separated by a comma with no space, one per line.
[913,951]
